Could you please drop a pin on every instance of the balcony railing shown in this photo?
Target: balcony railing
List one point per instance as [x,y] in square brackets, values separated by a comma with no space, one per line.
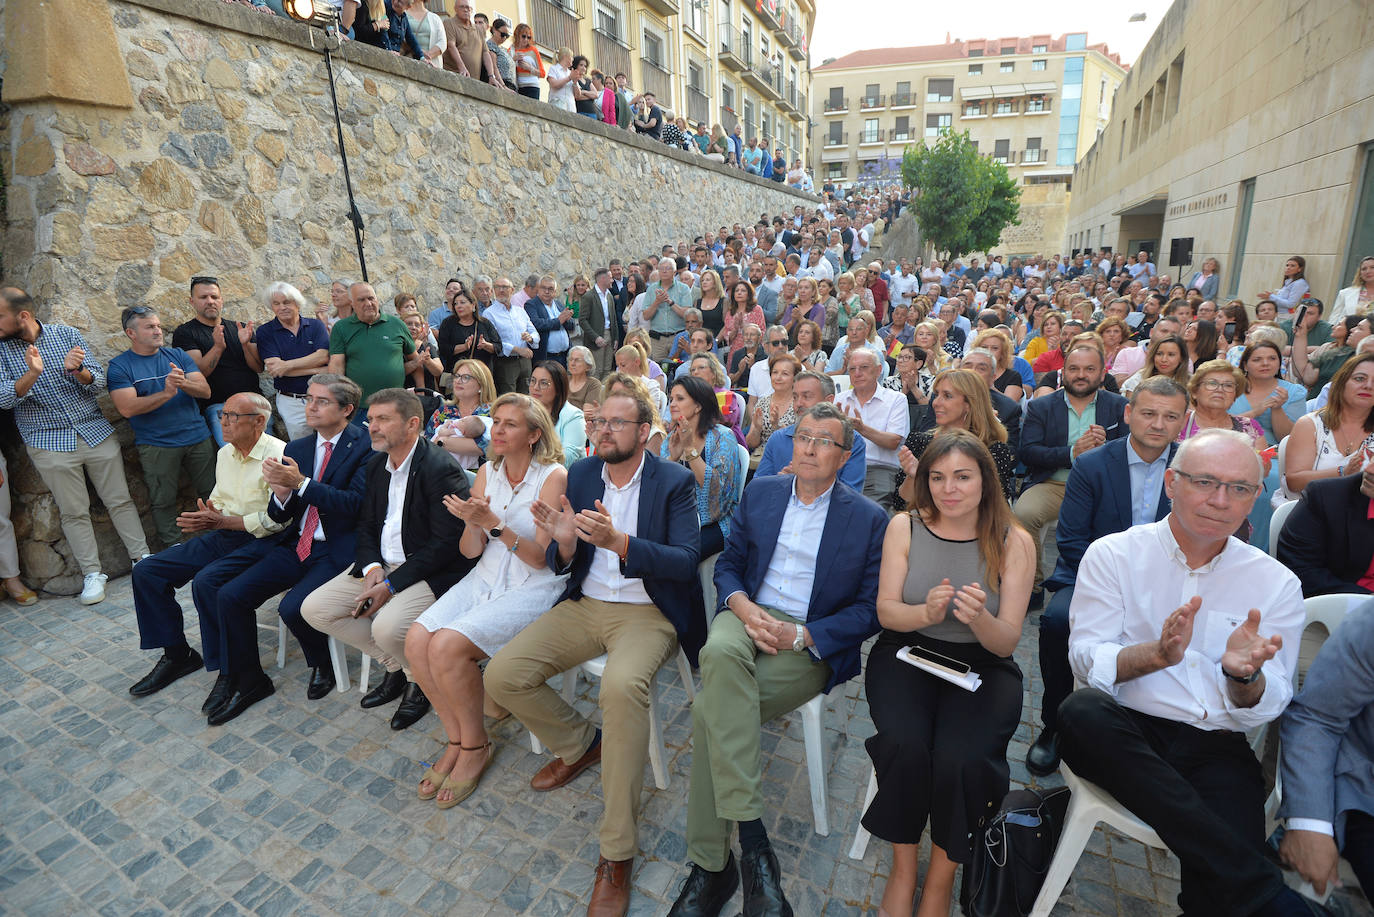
[733,51]
[1008,158]
[658,80]
[612,54]
[871,137]
[1034,156]
[897,135]
[832,104]
[903,100]
[555,22]
[870,102]
[665,7]
[833,140]
[728,120]
[797,51]
[698,105]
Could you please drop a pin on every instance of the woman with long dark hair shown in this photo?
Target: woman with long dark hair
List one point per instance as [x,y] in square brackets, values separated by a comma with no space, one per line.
[549,386]
[954,585]
[700,441]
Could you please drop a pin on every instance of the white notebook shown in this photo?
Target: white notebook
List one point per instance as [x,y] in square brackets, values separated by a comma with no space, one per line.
[969,681]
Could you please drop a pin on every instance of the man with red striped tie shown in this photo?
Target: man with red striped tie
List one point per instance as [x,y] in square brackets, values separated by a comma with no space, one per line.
[317,491]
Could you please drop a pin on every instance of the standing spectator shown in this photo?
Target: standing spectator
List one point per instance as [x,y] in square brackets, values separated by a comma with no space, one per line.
[9,550]
[600,321]
[529,63]
[382,24]
[1357,298]
[369,347]
[648,117]
[672,133]
[224,351]
[293,348]
[1208,280]
[880,416]
[1294,288]
[155,388]
[560,81]
[467,335]
[505,66]
[50,382]
[467,48]
[428,29]
[666,301]
[554,323]
[518,337]
[779,166]
[624,102]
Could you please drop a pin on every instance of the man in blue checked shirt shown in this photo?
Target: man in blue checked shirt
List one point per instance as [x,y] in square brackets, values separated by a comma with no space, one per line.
[50,382]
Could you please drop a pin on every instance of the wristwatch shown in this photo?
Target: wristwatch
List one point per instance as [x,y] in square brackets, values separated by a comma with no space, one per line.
[691,455]
[799,642]
[496,532]
[1247,680]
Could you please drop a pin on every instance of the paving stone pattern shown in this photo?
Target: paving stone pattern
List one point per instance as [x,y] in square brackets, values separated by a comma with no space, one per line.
[119,807]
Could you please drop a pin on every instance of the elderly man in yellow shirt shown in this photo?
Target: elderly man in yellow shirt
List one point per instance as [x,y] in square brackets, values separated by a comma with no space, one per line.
[235,514]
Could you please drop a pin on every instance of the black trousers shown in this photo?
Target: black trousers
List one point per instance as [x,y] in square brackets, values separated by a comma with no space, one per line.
[1055,673]
[1359,848]
[1202,791]
[940,752]
[712,540]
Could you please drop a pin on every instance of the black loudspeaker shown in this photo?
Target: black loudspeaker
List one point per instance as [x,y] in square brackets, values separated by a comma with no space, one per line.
[1181,251]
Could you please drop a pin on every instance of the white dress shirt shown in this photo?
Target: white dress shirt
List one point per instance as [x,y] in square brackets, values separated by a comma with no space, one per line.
[1129,582]
[886,411]
[393,552]
[791,572]
[510,322]
[760,380]
[604,580]
[300,488]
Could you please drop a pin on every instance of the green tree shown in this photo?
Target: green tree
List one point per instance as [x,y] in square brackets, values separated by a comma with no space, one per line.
[962,200]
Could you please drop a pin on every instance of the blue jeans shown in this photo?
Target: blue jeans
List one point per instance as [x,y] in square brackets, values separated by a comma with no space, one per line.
[212,421]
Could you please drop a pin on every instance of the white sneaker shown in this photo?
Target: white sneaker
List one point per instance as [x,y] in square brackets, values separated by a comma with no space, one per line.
[93,592]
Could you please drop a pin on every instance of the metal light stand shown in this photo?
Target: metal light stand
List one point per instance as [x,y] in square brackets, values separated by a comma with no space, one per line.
[331,31]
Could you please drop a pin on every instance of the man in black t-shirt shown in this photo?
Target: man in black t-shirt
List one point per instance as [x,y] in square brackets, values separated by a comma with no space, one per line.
[649,117]
[224,351]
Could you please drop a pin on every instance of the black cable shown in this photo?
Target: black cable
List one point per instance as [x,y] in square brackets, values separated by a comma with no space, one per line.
[354,216]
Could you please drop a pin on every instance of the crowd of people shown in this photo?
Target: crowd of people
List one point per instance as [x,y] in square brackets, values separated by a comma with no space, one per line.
[489,493]
[508,57]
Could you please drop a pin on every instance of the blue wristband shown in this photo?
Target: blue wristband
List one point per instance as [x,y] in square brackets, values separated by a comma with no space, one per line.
[389,587]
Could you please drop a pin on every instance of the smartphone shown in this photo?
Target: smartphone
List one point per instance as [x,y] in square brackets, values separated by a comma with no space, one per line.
[1302,313]
[940,660]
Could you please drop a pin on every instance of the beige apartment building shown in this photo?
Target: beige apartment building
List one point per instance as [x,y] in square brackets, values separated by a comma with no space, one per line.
[721,62]
[1248,158]
[1034,104]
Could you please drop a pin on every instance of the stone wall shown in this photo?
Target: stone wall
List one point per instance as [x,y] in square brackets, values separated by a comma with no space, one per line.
[227,164]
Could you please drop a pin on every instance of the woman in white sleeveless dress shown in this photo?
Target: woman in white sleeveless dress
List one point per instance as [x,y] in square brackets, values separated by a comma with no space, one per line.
[510,586]
[1338,439]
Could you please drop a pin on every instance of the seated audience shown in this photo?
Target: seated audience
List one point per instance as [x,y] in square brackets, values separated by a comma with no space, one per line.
[1328,540]
[1325,757]
[510,586]
[636,386]
[627,532]
[789,635]
[775,409]
[1170,694]
[549,386]
[1109,490]
[1339,439]
[959,400]
[406,547]
[462,425]
[233,517]
[583,387]
[1213,388]
[880,416]
[700,442]
[955,581]
[808,346]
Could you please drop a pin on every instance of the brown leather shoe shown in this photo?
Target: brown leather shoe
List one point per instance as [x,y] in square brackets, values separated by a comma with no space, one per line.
[555,774]
[611,893]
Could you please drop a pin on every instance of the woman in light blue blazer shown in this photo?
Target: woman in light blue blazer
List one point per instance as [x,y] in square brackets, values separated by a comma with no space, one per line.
[1208,280]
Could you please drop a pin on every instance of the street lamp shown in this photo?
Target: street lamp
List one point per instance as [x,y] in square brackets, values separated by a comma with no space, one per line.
[325,16]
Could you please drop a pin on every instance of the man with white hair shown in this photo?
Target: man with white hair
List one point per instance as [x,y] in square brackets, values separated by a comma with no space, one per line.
[293,348]
[1186,638]
[666,301]
[235,514]
[880,416]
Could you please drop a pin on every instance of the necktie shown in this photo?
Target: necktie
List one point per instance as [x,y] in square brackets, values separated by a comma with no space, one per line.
[312,515]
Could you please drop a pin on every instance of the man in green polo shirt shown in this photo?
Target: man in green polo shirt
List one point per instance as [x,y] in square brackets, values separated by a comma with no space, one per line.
[368,347]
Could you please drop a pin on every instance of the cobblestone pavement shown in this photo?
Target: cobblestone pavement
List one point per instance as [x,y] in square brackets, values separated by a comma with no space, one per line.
[119,807]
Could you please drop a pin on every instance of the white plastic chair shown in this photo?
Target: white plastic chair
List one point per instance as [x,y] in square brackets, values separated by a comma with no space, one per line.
[281,640]
[1276,522]
[813,735]
[338,656]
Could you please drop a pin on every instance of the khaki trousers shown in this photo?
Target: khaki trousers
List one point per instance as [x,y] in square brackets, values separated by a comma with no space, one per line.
[1036,508]
[65,475]
[659,347]
[604,356]
[741,688]
[383,635]
[638,641]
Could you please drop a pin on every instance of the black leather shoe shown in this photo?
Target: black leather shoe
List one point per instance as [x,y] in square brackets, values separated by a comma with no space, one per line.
[321,682]
[223,685]
[763,895]
[413,706]
[165,672]
[705,894]
[242,697]
[1037,600]
[386,691]
[1043,757]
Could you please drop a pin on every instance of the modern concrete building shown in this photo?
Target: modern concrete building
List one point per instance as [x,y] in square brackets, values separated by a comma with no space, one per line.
[711,61]
[1032,103]
[1252,156]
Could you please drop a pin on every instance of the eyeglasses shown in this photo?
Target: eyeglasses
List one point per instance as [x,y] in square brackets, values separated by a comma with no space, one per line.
[818,442]
[777,343]
[1217,385]
[319,402]
[465,378]
[235,416]
[541,383]
[203,278]
[1210,484]
[615,425]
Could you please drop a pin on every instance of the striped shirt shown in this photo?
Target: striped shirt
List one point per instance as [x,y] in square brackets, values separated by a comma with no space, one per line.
[58,409]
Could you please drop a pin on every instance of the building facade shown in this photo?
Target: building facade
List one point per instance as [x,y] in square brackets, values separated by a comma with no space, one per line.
[1242,157]
[711,61]
[1032,103]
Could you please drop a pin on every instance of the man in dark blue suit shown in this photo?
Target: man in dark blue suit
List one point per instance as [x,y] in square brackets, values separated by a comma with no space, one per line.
[555,324]
[627,532]
[788,632]
[317,492]
[1056,430]
[1109,490]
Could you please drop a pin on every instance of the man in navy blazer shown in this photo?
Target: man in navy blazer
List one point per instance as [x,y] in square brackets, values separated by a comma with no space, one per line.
[1326,759]
[1057,428]
[1110,489]
[799,584]
[627,531]
[1328,540]
[304,479]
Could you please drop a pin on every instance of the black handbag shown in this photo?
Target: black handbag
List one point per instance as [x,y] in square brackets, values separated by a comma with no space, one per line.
[1012,854]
